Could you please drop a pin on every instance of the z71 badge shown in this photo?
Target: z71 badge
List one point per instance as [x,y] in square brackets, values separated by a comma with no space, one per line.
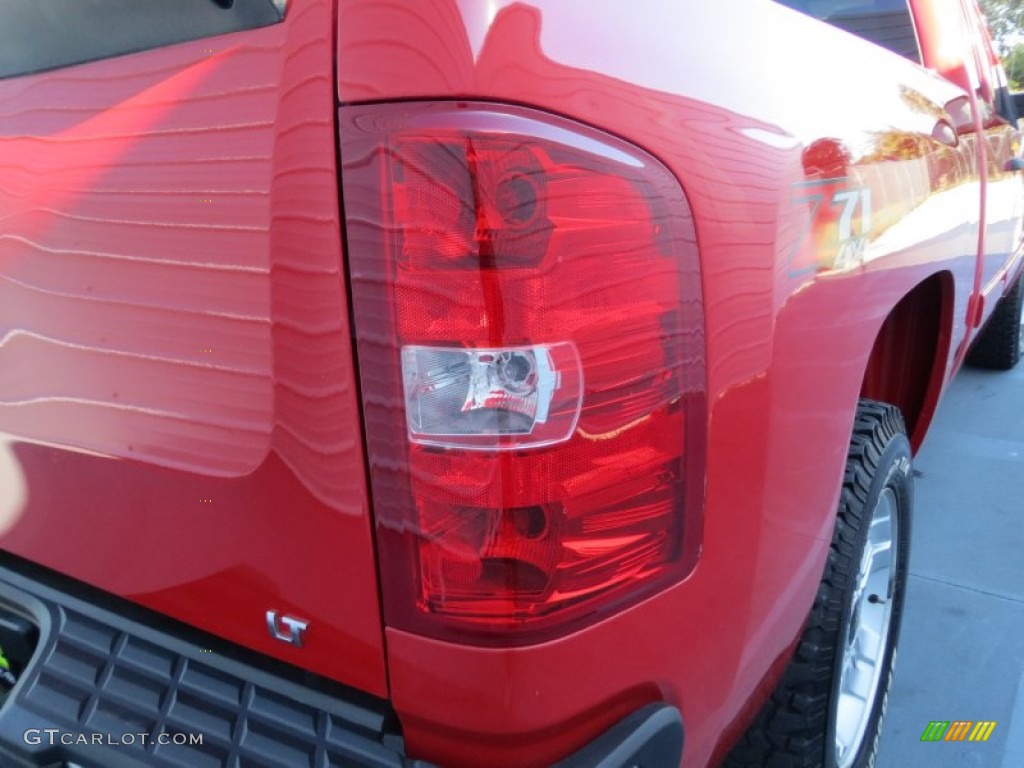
[837,227]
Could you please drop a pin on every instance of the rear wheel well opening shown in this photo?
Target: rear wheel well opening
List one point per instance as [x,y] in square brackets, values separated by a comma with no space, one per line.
[908,360]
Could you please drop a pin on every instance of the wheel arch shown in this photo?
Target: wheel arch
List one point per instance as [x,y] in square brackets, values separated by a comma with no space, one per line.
[908,360]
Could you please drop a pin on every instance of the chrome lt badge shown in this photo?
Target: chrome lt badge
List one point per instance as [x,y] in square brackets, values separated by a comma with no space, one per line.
[287,629]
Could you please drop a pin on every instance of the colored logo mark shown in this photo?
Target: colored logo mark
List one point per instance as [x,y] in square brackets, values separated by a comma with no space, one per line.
[958,730]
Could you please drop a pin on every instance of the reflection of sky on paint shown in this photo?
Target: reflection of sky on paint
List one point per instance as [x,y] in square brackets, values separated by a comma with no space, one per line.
[936,218]
[601,37]
[13,488]
[478,18]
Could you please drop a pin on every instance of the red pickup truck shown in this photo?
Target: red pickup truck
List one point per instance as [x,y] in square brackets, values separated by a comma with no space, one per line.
[465,382]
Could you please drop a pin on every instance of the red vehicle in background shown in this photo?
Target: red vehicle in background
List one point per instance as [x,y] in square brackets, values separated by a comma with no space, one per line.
[389,382]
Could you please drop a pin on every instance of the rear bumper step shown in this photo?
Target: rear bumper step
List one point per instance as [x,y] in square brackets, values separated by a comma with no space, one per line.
[105,689]
[101,683]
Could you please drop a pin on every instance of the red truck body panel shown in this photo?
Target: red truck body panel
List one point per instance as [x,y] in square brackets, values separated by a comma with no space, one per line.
[789,330]
[177,386]
[178,401]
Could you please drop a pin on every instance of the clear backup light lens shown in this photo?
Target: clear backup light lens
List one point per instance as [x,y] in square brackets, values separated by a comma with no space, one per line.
[492,399]
[529,328]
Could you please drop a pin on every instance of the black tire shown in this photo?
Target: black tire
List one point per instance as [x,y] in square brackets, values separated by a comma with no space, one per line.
[998,346]
[797,726]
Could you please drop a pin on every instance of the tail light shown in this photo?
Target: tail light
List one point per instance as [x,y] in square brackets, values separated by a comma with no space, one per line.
[530,340]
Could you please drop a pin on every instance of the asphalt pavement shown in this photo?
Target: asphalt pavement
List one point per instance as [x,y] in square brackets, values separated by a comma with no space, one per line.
[961,654]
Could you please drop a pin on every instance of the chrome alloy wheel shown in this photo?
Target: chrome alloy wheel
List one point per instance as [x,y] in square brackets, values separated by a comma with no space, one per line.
[863,660]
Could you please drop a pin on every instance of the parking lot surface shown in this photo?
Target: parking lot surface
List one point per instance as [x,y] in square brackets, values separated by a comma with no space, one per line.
[961,655]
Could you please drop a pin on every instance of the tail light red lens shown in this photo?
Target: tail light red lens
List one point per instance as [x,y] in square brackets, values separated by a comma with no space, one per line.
[529,330]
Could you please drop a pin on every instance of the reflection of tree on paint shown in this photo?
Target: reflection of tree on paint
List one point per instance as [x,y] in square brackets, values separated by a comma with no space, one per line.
[826,159]
[896,145]
[918,102]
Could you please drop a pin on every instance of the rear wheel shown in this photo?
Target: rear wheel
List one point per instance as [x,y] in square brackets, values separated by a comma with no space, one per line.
[1001,342]
[829,705]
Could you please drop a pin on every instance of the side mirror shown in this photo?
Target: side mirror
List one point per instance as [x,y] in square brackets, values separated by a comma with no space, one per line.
[1009,106]
[1018,103]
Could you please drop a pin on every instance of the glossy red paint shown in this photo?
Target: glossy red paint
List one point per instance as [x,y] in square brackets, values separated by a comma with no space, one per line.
[178,419]
[791,318]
